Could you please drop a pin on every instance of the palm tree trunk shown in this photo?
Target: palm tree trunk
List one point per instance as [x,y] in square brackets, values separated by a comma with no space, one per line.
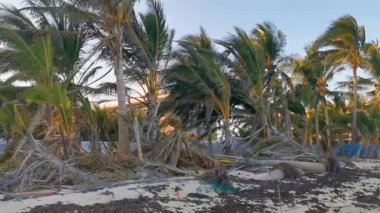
[354,133]
[152,123]
[123,133]
[287,119]
[95,141]
[288,124]
[138,141]
[265,120]
[317,141]
[327,117]
[77,140]
[306,139]
[228,136]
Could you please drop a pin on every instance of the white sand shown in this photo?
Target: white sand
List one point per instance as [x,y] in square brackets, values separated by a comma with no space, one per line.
[370,165]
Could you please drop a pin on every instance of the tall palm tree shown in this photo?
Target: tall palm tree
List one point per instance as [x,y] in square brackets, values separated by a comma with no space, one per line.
[110,23]
[314,76]
[149,58]
[344,43]
[248,66]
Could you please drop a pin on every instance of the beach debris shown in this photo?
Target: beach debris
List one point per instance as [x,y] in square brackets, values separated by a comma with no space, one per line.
[107,193]
[332,165]
[306,166]
[221,182]
[6,197]
[177,191]
[290,172]
[225,188]
[221,175]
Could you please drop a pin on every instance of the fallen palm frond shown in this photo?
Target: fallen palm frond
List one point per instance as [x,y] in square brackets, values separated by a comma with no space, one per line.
[192,157]
[170,170]
[167,150]
[278,145]
[41,168]
[113,166]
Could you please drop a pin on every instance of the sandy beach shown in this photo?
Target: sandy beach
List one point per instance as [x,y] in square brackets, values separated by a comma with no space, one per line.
[355,190]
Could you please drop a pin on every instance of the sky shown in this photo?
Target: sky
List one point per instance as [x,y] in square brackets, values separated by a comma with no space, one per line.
[302,21]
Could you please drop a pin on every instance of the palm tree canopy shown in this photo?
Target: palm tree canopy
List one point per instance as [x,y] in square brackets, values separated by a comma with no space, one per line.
[344,43]
[199,74]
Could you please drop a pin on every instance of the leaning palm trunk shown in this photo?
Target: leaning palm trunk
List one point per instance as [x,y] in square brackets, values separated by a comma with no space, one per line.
[123,136]
[152,132]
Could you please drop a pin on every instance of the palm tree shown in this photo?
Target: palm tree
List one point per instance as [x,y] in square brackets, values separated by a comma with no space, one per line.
[344,43]
[199,76]
[256,61]
[314,76]
[373,83]
[34,62]
[111,22]
[148,59]
[272,42]
[249,69]
[71,68]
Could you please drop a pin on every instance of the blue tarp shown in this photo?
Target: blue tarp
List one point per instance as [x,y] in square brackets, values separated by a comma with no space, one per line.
[354,150]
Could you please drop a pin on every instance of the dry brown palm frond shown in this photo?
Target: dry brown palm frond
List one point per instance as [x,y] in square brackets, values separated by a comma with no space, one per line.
[167,150]
[196,158]
[40,167]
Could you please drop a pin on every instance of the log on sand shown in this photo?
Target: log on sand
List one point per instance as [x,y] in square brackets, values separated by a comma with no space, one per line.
[307,166]
[36,193]
[287,169]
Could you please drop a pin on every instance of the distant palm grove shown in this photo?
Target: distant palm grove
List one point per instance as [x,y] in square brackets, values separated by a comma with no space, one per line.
[55,55]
